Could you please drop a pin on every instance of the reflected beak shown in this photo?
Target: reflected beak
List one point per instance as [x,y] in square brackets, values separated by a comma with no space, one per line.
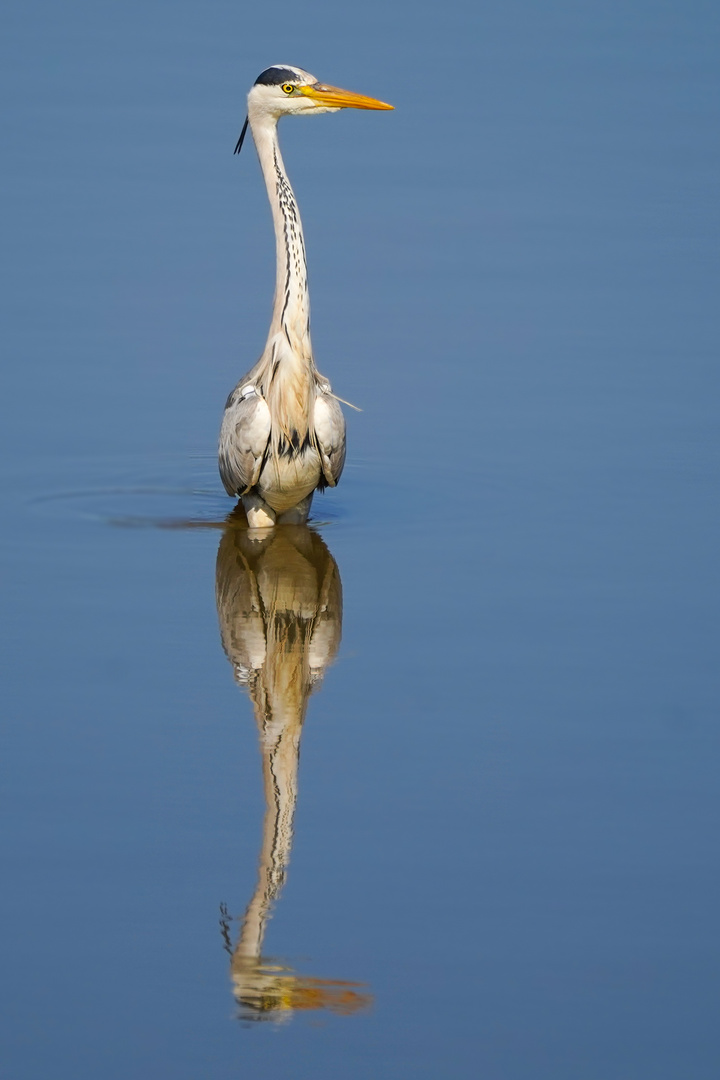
[335,98]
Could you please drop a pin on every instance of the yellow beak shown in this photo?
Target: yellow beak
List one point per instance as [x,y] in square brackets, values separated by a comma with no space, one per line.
[335,98]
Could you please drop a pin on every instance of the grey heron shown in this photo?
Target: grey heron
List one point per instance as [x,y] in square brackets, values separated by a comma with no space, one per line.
[283,431]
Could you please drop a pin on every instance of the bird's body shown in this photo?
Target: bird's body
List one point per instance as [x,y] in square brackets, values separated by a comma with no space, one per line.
[283,432]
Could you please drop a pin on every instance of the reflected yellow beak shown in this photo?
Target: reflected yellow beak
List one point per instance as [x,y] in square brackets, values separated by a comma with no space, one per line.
[335,98]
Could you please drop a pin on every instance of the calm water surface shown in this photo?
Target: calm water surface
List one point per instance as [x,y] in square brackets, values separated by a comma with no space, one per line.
[429,789]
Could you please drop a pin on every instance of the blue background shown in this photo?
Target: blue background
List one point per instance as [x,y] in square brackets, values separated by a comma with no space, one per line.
[508,811]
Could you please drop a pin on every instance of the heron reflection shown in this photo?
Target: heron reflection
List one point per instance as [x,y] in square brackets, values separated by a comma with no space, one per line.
[279,601]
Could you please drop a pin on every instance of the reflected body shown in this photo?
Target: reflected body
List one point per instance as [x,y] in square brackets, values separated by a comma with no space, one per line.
[283,431]
[279,602]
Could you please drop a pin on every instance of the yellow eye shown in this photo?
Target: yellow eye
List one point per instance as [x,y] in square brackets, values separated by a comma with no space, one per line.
[287,88]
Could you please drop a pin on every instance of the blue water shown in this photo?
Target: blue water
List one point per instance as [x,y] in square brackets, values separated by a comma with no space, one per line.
[506,816]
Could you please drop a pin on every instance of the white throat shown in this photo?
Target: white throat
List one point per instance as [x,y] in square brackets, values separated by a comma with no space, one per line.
[291,307]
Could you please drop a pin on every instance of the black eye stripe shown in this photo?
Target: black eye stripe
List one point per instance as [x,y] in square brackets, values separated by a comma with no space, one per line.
[275,76]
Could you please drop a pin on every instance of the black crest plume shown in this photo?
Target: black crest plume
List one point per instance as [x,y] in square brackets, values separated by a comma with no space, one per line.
[238,146]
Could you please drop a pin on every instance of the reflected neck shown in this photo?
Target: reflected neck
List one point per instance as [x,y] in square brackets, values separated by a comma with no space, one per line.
[280,744]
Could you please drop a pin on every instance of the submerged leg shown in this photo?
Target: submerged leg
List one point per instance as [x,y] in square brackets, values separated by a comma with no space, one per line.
[298,515]
[259,514]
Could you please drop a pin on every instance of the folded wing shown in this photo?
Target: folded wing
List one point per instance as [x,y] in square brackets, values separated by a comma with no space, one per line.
[244,438]
[330,436]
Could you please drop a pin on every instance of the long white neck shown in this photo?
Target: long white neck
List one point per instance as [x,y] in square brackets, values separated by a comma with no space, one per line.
[291,307]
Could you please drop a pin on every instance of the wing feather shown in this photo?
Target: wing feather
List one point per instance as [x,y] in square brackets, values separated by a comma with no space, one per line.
[244,437]
[330,436]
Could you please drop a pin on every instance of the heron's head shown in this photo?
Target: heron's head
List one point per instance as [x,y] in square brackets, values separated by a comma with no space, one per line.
[281,90]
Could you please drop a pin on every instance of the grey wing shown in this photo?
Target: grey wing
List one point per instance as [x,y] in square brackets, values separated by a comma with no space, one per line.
[330,435]
[244,437]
